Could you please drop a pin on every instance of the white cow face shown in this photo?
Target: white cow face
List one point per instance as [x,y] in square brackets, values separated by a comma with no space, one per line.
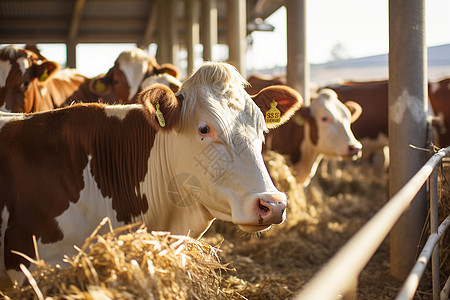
[333,119]
[218,142]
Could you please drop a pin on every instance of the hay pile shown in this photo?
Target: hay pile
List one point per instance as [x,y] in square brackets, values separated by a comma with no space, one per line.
[133,265]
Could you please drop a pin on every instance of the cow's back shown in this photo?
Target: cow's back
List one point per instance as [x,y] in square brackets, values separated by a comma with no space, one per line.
[373,98]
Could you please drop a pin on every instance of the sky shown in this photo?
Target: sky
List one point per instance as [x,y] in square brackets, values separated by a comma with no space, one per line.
[360,27]
[357,28]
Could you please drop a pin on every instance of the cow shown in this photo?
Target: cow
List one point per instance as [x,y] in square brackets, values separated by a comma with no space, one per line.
[30,83]
[173,161]
[321,129]
[372,127]
[121,83]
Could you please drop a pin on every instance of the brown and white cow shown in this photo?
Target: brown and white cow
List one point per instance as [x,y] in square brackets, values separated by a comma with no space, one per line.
[322,129]
[372,127]
[21,72]
[175,162]
[122,82]
[30,83]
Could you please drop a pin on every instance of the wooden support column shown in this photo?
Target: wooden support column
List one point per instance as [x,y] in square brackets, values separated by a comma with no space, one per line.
[150,26]
[209,29]
[173,33]
[71,43]
[407,123]
[192,33]
[162,54]
[237,34]
[297,63]
[71,54]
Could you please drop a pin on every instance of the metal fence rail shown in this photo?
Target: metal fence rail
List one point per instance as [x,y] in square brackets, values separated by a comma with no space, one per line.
[340,273]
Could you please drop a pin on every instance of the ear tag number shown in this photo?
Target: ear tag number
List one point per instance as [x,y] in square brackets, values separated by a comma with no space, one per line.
[44,75]
[273,115]
[160,116]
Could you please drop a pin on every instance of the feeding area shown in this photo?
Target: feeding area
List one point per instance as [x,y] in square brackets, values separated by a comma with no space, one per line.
[134,263]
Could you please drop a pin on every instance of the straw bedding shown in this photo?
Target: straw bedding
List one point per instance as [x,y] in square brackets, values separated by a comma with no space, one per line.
[132,263]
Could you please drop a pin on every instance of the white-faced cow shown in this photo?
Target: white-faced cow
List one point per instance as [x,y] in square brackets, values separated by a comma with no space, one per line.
[175,162]
[322,129]
[30,83]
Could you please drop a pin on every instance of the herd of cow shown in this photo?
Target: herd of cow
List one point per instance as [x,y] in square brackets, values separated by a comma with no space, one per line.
[137,145]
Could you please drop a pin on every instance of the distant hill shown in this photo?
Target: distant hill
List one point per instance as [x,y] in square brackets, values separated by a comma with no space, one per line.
[371,67]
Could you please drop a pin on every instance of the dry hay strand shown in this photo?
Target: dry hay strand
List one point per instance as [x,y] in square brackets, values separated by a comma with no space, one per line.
[134,265]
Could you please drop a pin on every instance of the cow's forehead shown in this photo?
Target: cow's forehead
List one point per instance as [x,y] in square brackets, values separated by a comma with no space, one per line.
[217,90]
[328,102]
[233,115]
[134,65]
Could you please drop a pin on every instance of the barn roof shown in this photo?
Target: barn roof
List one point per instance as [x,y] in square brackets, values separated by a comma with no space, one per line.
[104,21]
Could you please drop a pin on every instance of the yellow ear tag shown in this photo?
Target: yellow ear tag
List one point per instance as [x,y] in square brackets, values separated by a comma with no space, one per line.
[99,86]
[273,115]
[299,120]
[44,75]
[160,116]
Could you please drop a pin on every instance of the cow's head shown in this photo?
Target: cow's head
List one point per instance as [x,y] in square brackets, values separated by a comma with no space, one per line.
[22,72]
[126,76]
[217,131]
[329,121]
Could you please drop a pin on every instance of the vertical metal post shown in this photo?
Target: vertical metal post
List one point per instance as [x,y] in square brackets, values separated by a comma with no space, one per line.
[192,33]
[173,33]
[407,123]
[71,54]
[237,34]
[297,63]
[209,27]
[162,54]
[434,224]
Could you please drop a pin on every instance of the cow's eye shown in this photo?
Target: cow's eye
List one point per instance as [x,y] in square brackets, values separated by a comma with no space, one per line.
[25,85]
[325,119]
[203,129]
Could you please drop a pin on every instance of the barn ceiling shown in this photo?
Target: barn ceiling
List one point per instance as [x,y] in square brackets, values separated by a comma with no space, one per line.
[103,21]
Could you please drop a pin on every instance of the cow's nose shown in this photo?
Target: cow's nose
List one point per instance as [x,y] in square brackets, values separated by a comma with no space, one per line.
[271,209]
[355,150]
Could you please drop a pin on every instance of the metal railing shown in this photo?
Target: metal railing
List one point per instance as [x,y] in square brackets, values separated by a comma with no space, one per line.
[339,275]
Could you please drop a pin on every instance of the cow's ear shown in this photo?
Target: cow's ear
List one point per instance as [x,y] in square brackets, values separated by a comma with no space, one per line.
[162,107]
[168,69]
[99,86]
[278,103]
[355,110]
[45,70]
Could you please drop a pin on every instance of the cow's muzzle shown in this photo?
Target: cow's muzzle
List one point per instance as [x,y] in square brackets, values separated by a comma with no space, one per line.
[270,209]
